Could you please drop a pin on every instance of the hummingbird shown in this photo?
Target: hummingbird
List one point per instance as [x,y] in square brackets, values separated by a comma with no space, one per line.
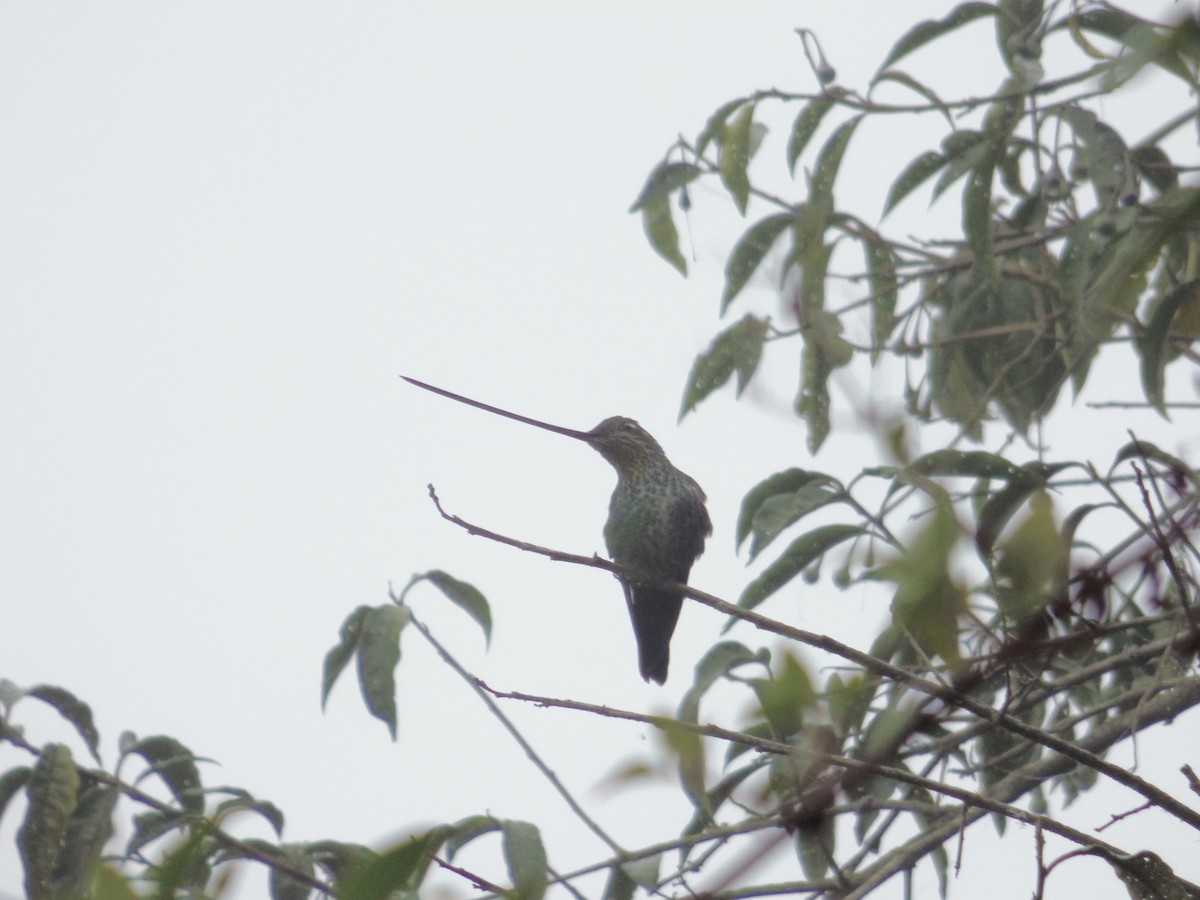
[657,523]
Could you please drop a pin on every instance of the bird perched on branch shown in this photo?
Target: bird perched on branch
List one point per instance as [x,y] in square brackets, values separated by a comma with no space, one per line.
[657,523]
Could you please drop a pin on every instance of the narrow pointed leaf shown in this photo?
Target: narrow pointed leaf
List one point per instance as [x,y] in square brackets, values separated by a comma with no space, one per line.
[176,766]
[89,828]
[786,482]
[526,858]
[378,655]
[749,252]
[735,157]
[663,181]
[466,830]
[714,128]
[783,510]
[924,32]
[805,127]
[914,175]
[74,710]
[916,86]
[661,232]
[401,870]
[965,463]
[736,349]
[11,782]
[51,792]
[1154,344]
[721,659]
[466,597]
[801,553]
[342,652]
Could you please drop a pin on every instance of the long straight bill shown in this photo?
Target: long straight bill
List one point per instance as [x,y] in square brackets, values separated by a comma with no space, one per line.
[557,429]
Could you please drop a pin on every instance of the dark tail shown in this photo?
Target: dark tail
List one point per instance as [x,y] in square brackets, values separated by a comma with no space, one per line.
[654,613]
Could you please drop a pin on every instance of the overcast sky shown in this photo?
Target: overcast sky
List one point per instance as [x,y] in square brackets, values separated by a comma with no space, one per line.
[226,228]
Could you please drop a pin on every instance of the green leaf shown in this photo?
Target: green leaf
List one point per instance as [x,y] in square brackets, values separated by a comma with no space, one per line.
[1154,344]
[783,510]
[88,830]
[466,830]
[244,801]
[626,878]
[928,602]
[785,696]
[1000,506]
[977,220]
[735,157]
[664,180]
[885,293]
[848,701]
[109,884]
[282,885]
[736,349]
[1033,567]
[1155,166]
[965,463]
[660,230]
[51,792]
[805,127]
[1145,451]
[786,482]
[342,651]
[914,175]
[74,710]
[400,869]
[917,87]
[929,30]
[749,251]
[801,553]
[11,782]
[466,597]
[721,659]
[176,766]
[378,655]
[815,842]
[825,171]
[526,858]
[714,128]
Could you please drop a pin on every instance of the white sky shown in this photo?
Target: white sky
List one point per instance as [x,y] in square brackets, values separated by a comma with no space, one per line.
[226,228]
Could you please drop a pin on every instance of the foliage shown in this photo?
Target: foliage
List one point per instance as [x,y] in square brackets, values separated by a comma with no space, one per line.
[1043,609]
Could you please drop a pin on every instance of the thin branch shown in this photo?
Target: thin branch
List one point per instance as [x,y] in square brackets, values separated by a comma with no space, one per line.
[238,847]
[518,737]
[956,695]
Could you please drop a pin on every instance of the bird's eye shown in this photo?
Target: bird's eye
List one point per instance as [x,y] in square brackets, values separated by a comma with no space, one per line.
[630,426]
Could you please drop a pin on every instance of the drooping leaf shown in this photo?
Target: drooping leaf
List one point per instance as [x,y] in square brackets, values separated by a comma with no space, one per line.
[714,128]
[736,349]
[378,655]
[749,252]
[721,659]
[916,86]
[815,845]
[1032,569]
[466,830]
[1154,344]
[786,482]
[661,231]
[401,869]
[801,553]
[466,597]
[885,291]
[176,766]
[526,859]
[342,652]
[785,696]
[965,464]
[281,883]
[783,510]
[928,601]
[51,790]
[735,157]
[242,800]
[88,830]
[74,710]
[977,220]
[664,180]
